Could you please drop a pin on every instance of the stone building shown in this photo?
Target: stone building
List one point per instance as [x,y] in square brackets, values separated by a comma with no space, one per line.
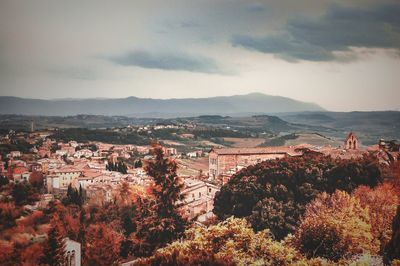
[72,252]
[199,197]
[351,142]
[227,160]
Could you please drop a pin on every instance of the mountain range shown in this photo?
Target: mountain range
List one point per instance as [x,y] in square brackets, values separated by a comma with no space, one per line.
[253,103]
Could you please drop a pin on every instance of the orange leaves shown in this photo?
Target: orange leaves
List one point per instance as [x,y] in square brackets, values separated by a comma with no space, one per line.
[381,203]
[103,245]
[335,226]
[231,242]
[7,252]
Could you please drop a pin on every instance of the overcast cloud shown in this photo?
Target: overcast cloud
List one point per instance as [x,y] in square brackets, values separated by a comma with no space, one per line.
[343,55]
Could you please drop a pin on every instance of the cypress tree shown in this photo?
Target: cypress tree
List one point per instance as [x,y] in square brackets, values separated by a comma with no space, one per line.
[54,250]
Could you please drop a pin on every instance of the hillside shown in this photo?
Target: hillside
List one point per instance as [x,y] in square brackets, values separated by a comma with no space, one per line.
[139,107]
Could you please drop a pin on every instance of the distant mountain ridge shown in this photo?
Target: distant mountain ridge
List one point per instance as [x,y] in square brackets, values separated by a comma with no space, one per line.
[253,103]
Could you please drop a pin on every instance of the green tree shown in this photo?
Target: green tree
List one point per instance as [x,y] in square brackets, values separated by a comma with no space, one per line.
[162,221]
[3,181]
[23,193]
[54,250]
[74,196]
[273,194]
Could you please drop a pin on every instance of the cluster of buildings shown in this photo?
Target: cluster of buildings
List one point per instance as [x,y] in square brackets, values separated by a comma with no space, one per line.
[83,166]
[223,163]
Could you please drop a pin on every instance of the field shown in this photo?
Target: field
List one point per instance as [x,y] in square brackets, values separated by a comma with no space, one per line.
[192,167]
[313,139]
[245,142]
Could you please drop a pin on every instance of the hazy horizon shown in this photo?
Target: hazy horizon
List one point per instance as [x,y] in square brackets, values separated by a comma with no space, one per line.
[341,56]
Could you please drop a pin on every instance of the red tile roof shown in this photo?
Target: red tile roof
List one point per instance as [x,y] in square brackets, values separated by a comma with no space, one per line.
[261,150]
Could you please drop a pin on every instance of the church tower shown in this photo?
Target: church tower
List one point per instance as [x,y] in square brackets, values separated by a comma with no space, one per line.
[351,142]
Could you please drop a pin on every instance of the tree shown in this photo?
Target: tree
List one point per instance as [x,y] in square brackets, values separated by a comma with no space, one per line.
[274,215]
[102,245]
[54,250]
[381,208]
[138,163]
[23,193]
[3,181]
[74,196]
[8,253]
[36,179]
[231,242]
[285,186]
[335,226]
[392,250]
[162,221]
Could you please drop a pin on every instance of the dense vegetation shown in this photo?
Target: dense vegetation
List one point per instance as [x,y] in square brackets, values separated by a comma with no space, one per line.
[336,228]
[108,136]
[274,194]
[218,133]
[279,141]
[18,145]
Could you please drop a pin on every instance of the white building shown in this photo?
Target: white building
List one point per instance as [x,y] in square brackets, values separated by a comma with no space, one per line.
[72,252]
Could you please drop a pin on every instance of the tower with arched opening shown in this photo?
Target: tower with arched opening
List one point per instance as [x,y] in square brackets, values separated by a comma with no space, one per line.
[351,142]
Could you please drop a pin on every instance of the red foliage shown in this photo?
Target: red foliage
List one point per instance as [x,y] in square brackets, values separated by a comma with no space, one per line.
[32,254]
[102,245]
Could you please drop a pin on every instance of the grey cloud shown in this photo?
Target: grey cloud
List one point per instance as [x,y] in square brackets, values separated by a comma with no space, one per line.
[255,7]
[339,29]
[167,62]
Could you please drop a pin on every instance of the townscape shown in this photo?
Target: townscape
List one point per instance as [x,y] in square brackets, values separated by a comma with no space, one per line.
[42,172]
[200,133]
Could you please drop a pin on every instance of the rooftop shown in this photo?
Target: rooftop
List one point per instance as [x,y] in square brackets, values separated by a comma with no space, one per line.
[259,150]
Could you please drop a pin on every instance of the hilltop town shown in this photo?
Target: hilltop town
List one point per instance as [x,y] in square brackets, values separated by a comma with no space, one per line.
[99,168]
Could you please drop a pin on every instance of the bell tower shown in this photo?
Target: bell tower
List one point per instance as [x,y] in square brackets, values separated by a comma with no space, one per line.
[351,142]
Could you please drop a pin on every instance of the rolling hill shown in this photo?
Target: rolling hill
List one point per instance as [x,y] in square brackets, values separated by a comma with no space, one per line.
[254,103]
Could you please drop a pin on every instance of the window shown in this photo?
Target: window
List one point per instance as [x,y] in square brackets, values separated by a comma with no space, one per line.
[209,190]
[199,194]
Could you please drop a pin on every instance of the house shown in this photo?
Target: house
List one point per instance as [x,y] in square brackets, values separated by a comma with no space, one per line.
[62,178]
[15,154]
[169,151]
[100,193]
[199,197]
[83,153]
[223,161]
[192,154]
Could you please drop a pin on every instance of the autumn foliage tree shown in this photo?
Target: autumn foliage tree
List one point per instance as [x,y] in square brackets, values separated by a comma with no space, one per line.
[231,242]
[335,226]
[102,245]
[381,202]
[162,221]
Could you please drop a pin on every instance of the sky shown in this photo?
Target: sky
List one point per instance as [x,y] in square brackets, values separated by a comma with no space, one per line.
[342,55]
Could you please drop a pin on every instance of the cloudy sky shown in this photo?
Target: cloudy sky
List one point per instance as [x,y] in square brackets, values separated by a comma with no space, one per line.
[343,55]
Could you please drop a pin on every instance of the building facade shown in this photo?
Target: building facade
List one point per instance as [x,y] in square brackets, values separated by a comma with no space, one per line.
[351,142]
[227,160]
